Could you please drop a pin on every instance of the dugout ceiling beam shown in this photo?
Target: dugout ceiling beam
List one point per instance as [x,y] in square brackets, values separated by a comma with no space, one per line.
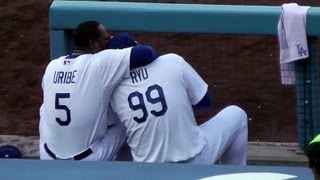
[164,17]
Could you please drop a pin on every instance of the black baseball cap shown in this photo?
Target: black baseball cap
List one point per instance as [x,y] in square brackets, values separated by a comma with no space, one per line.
[10,151]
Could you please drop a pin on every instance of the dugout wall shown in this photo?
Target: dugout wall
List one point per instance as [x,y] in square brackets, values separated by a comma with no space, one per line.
[197,18]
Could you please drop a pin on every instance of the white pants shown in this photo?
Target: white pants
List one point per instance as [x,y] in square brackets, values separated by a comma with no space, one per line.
[227,136]
[103,149]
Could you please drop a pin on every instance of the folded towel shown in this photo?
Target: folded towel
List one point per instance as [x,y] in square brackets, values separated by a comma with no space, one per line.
[292,39]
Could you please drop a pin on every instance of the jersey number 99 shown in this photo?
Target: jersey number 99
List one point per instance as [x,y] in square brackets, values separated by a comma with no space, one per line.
[153,100]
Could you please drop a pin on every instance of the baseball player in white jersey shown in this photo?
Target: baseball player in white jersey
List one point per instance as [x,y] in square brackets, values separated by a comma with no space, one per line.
[76,94]
[156,105]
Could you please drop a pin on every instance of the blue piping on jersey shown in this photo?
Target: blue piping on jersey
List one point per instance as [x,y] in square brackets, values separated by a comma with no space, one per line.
[73,55]
[204,103]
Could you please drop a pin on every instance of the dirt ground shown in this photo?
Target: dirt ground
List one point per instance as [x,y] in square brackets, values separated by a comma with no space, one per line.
[241,70]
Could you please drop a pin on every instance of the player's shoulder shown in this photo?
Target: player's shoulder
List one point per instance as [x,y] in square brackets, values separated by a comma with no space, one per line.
[56,61]
[171,58]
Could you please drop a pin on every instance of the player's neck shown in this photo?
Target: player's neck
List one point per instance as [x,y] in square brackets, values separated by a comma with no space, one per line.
[80,51]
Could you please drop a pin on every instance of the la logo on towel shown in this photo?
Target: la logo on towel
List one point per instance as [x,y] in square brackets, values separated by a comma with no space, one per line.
[301,50]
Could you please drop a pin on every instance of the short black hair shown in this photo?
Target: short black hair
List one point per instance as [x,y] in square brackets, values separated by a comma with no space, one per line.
[313,154]
[85,32]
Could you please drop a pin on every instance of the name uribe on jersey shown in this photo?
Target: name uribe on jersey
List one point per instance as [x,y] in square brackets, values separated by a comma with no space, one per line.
[61,77]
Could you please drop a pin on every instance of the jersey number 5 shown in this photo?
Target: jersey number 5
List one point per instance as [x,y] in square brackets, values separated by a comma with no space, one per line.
[62,107]
[153,100]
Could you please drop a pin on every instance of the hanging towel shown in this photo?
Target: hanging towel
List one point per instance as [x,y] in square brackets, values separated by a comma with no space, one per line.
[292,39]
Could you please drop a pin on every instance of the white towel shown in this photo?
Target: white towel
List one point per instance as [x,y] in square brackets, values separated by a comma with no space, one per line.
[292,39]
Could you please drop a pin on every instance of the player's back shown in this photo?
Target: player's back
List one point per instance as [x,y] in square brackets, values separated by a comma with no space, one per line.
[155,106]
[76,95]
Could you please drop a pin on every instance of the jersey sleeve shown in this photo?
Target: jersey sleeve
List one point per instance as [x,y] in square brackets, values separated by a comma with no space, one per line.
[114,65]
[196,86]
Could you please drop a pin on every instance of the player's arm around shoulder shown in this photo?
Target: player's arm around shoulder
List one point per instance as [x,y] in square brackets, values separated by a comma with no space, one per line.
[142,55]
[114,56]
[137,56]
[112,65]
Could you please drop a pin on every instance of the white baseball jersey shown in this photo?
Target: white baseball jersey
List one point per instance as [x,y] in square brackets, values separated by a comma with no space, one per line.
[76,94]
[155,104]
